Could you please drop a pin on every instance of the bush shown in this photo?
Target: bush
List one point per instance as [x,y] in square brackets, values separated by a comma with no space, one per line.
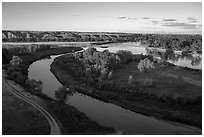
[104,73]
[130,80]
[15,61]
[35,84]
[17,77]
[110,75]
[125,56]
[145,65]
[61,94]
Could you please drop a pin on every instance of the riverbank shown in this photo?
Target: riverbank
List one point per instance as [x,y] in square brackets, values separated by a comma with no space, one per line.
[144,103]
[72,121]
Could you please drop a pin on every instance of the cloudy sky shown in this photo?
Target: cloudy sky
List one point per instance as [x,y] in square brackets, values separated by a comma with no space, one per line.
[106,17]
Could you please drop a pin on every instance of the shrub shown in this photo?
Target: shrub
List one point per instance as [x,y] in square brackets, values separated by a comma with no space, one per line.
[110,75]
[104,73]
[61,94]
[130,80]
[15,61]
[145,65]
[125,56]
[17,77]
[37,85]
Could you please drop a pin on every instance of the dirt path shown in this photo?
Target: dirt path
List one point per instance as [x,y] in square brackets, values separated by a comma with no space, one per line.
[54,127]
[185,79]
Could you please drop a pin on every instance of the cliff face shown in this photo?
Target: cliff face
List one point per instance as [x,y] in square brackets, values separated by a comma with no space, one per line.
[37,36]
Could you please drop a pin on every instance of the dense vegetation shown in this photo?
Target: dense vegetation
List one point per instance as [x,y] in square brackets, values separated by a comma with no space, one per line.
[94,69]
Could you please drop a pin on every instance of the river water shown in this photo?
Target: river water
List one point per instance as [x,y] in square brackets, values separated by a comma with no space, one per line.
[107,114]
[191,61]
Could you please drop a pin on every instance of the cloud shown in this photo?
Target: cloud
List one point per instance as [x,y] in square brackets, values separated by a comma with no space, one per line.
[182,25]
[132,18]
[169,19]
[155,22]
[192,20]
[146,18]
[122,17]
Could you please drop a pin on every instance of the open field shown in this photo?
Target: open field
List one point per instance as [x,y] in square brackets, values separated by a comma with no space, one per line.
[170,80]
[19,117]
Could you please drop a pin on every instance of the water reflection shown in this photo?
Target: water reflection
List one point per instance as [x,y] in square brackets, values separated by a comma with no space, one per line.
[190,61]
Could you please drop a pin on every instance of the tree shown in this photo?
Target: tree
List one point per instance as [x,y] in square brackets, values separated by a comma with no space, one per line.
[17,77]
[145,65]
[110,75]
[104,73]
[130,80]
[125,56]
[37,85]
[15,61]
[61,94]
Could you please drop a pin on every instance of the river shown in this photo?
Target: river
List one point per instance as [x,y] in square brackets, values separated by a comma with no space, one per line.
[107,114]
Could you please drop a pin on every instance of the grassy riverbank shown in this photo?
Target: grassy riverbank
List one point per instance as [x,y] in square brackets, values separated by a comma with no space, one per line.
[174,102]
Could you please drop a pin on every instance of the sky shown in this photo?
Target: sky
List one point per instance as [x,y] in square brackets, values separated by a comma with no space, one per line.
[130,17]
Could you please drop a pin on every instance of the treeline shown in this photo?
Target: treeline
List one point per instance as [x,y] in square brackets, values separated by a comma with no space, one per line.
[191,43]
[9,51]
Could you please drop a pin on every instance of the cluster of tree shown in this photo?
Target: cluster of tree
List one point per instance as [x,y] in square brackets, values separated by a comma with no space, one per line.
[21,49]
[39,36]
[61,94]
[145,65]
[15,70]
[35,85]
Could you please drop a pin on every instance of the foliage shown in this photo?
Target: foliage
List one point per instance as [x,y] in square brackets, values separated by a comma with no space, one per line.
[15,61]
[110,75]
[130,80]
[145,65]
[17,77]
[125,56]
[62,93]
[37,85]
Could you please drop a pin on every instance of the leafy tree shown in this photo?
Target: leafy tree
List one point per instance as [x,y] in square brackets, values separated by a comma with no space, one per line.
[17,77]
[37,85]
[104,73]
[125,56]
[145,65]
[110,75]
[61,94]
[130,80]
[15,61]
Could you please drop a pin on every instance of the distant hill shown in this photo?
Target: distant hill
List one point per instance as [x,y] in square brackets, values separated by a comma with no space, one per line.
[175,41]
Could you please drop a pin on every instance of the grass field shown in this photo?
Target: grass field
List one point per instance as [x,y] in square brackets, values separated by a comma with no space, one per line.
[20,118]
[169,80]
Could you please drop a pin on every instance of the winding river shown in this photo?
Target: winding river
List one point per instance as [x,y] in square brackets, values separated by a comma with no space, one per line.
[107,114]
